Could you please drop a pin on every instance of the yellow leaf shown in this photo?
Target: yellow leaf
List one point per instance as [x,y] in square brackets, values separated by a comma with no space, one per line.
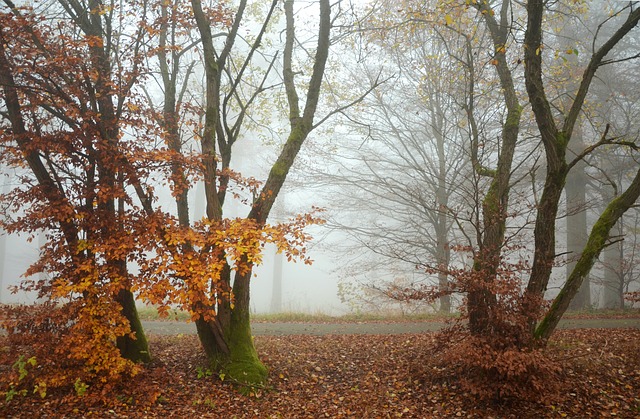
[448,20]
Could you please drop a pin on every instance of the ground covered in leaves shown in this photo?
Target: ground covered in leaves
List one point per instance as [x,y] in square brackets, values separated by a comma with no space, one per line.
[356,376]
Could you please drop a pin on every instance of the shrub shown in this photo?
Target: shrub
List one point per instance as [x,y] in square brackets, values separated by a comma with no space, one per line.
[497,372]
[500,361]
[72,343]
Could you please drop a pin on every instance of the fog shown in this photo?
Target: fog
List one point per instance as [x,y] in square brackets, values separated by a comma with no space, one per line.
[305,288]
[315,288]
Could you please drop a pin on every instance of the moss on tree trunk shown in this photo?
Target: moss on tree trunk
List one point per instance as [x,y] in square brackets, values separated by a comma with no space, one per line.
[244,365]
[231,349]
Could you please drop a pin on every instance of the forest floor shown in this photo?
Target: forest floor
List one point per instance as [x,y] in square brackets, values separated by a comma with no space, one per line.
[356,376]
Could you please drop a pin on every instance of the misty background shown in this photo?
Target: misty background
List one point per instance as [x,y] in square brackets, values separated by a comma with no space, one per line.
[346,153]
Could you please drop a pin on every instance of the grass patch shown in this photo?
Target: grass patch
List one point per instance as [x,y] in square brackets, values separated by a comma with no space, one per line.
[603,313]
[151,313]
[298,317]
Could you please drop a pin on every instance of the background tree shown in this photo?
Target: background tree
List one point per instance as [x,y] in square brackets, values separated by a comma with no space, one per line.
[410,160]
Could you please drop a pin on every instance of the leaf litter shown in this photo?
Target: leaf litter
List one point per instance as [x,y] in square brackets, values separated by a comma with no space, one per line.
[354,376]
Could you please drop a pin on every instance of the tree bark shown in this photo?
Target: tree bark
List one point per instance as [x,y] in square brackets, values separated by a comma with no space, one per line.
[135,349]
[227,339]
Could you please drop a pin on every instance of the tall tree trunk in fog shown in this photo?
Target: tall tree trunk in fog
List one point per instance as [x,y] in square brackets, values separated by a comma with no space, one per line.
[613,278]
[575,187]
[3,259]
[575,192]
[3,249]
[278,263]
[441,226]
[276,290]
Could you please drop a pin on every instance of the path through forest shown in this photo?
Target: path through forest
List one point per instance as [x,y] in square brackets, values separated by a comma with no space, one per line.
[366,328]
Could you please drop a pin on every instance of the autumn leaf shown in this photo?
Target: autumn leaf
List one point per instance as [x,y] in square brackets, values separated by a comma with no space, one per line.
[448,20]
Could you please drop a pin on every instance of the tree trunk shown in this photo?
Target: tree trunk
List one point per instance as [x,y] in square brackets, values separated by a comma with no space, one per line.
[575,187]
[481,296]
[575,192]
[3,249]
[213,334]
[613,281]
[555,139]
[244,365]
[443,253]
[276,291]
[135,349]
[544,241]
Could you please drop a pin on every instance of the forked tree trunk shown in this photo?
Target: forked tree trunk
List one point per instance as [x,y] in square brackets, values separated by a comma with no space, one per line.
[555,138]
[481,296]
[227,339]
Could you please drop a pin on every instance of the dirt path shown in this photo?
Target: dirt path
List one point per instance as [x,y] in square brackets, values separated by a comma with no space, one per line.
[377,328]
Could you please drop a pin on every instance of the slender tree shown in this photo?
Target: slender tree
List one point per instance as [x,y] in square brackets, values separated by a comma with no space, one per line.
[226,336]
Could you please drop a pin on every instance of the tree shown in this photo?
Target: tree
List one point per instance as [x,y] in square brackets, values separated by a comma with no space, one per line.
[401,161]
[555,138]
[97,157]
[502,316]
[66,92]
[482,299]
[223,326]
